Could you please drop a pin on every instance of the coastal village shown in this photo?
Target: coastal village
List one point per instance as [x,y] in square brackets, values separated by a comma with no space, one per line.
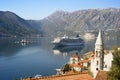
[60,40]
[92,65]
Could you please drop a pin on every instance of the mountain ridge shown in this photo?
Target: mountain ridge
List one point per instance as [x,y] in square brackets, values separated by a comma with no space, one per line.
[61,22]
[13,25]
[82,20]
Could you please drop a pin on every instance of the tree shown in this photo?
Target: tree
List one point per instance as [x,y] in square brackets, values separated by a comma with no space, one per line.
[114,73]
[67,67]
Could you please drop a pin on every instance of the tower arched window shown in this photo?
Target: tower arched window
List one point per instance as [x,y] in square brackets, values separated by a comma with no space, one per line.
[97,63]
[96,53]
[74,61]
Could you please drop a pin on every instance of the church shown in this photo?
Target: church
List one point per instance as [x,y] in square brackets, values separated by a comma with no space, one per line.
[100,61]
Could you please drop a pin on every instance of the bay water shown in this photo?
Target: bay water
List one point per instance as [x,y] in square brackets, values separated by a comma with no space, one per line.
[38,56]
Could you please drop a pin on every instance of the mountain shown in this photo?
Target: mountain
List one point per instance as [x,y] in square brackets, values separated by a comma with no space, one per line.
[61,22]
[13,25]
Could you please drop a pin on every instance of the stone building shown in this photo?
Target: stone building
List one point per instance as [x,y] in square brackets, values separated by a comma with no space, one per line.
[101,61]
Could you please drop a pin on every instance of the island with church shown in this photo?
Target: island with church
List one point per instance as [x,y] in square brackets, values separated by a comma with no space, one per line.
[93,65]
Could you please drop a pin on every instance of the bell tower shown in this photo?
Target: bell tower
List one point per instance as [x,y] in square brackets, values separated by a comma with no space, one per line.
[99,52]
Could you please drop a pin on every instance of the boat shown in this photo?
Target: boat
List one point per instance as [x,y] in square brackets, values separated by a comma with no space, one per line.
[38,76]
[24,41]
[68,41]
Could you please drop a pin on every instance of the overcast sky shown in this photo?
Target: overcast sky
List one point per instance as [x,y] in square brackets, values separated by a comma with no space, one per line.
[39,9]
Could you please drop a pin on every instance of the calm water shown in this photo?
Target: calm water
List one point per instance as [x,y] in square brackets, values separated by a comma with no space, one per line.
[38,57]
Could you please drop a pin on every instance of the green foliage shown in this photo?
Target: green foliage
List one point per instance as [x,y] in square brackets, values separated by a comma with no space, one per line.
[115,47]
[114,73]
[66,67]
[85,58]
[85,68]
[13,25]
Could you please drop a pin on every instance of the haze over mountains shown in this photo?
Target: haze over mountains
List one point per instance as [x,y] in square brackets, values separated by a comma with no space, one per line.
[82,20]
[60,22]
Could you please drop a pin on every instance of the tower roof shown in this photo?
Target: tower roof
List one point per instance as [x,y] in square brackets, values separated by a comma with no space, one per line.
[99,39]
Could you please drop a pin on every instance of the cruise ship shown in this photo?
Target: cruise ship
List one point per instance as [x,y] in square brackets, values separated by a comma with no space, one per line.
[68,41]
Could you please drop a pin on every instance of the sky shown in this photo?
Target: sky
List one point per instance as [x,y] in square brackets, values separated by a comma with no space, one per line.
[39,9]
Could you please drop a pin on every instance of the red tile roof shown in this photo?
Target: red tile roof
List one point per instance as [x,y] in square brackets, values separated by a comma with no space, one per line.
[89,53]
[101,75]
[66,77]
[76,65]
[84,61]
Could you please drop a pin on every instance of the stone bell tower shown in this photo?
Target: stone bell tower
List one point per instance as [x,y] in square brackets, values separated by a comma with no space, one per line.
[99,52]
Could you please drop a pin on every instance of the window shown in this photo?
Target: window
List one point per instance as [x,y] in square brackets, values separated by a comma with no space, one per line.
[74,61]
[97,62]
[96,53]
[105,66]
[97,69]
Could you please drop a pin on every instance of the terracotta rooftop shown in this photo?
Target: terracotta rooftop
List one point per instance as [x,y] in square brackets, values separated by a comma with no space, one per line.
[89,53]
[101,75]
[84,61]
[76,65]
[68,77]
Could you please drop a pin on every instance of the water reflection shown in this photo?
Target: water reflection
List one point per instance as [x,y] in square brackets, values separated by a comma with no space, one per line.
[38,56]
[67,50]
[10,47]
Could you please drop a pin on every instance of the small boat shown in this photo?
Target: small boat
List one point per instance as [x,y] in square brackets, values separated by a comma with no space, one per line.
[38,76]
[24,41]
